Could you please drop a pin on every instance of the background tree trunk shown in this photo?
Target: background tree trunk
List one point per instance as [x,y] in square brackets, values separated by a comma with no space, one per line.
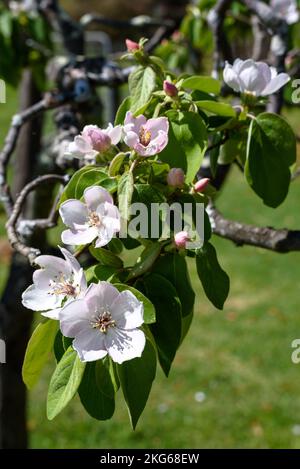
[15,320]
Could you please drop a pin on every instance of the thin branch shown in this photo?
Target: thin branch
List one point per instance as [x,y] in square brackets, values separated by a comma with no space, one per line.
[278,240]
[11,225]
[49,102]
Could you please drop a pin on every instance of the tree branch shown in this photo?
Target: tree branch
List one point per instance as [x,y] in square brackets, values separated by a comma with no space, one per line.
[11,226]
[278,240]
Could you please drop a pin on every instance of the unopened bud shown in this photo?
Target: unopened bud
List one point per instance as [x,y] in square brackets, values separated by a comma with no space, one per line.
[170,89]
[175,177]
[132,46]
[201,184]
[181,238]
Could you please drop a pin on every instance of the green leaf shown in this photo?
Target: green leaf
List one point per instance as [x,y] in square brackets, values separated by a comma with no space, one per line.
[187,143]
[106,257]
[149,310]
[70,189]
[142,83]
[96,391]
[38,349]
[221,109]
[64,382]
[125,191]
[271,149]
[136,377]
[167,329]
[146,260]
[173,267]
[214,279]
[116,164]
[99,272]
[206,84]
[121,112]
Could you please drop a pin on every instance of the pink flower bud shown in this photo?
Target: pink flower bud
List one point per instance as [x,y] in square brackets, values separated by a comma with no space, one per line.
[99,140]
[170,89]
[201,184]
[181,238]
[131,45]
[175,177]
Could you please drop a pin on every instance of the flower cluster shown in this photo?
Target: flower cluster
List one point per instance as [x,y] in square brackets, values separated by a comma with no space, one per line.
[145,137]
[100,319]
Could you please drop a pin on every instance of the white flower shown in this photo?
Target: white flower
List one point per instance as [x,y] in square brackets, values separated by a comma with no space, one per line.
[285,9]
[93,141]
[56,282]
[257,78]
[97,218]
[105,322]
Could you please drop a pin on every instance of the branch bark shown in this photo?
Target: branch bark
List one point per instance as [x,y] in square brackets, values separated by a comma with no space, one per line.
[277,240]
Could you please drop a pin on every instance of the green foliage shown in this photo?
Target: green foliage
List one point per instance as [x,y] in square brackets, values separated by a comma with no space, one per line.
[214,280]
[38,350]
[96,390]
[64,382]
[167,328]
[136,377]
[271,149]
[187,142]
[142,83]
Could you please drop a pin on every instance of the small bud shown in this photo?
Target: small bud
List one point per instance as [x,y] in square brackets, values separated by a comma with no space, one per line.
[175,177]
[201,184]
[181,238]
[131,45]
[170,89]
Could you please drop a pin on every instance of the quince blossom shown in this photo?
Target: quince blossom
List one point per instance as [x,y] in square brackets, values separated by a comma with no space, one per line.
[93,141]
[146,137]
[58,282]
[286,9]
[256,78]
[95,218]
[103,322]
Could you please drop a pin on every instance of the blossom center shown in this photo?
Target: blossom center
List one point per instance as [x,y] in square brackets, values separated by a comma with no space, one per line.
[63,287]
[103,322]
[94,219]
[144,136]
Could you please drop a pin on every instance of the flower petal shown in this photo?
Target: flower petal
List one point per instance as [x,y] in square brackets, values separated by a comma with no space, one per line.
[275,84]
[135,123]
[76,237]
[71,260]
[96,195]
[131,138]
[53,263]
[90,345]
[127,311]
[100,296]
[39,300]
[231,78]
[124,345]
[114,133]
[156,126]
[74,317]
[73,211]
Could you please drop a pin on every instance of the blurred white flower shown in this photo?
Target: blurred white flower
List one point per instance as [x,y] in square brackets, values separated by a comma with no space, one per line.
[256,78]
[285,9]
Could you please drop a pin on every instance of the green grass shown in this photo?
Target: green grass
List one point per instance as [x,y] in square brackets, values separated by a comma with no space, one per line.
[240,357]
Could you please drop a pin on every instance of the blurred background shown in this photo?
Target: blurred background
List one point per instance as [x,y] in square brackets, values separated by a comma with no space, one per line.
[233,383]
